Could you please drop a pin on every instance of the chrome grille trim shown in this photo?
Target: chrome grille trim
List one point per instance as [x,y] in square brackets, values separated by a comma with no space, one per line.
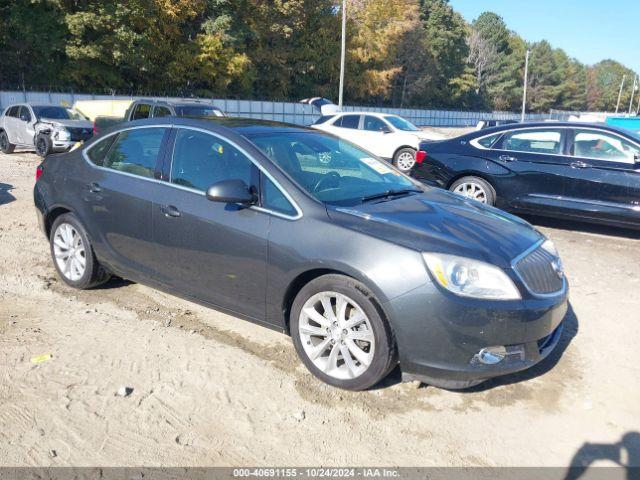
[535,270]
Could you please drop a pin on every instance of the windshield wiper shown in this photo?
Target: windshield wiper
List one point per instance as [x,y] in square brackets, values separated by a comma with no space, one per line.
[390,193]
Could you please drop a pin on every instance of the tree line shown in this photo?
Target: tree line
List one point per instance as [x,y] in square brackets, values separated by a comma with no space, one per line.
[401,53]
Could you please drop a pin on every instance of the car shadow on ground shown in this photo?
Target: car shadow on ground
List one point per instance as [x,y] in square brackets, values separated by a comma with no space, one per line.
[114,282]
[625,453]
[569,331]
[570,225]
[5,196]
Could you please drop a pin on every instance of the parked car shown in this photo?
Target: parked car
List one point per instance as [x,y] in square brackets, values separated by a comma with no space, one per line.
[587,172]
[47,128]
[141,109]
[387,136]
[482,124]
[362,265]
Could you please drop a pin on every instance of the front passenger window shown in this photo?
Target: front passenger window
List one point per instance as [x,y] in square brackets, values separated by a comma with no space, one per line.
[603,146]
[136,151]
[201,159]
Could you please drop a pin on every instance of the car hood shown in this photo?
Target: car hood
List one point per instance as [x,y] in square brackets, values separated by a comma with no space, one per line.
[68,123]
[440,221]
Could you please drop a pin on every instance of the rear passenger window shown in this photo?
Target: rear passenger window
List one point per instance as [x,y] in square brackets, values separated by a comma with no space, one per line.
[348,121]
[142,110]
[136,151]
[13,111]
[533,141]
[98,150]
[201,159]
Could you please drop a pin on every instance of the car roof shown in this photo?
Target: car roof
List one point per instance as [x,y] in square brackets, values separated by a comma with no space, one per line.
[178,103]
[552,124]
[241,126]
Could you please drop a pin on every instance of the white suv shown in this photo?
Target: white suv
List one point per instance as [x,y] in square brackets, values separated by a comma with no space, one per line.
[387,136]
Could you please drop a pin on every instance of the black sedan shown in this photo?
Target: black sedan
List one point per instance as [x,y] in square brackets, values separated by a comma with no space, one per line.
[587,172]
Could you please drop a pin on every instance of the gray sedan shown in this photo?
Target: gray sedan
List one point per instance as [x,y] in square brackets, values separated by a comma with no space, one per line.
[308,234]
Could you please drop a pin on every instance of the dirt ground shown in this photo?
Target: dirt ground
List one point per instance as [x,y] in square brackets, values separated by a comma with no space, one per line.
[210,389]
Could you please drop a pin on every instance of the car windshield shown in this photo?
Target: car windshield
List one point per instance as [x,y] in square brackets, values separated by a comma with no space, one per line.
[57,113]
[198,111]
[401,124]
[333,170]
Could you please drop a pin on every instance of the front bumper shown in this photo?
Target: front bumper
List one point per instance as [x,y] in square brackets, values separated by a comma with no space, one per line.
[439,335]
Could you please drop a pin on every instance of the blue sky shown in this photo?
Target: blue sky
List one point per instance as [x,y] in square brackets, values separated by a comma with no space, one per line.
[589,30]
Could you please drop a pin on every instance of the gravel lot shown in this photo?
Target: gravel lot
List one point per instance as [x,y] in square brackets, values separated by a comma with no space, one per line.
[210,389]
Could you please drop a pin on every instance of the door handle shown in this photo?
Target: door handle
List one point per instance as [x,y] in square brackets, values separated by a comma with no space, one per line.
[579,164]
[507,158]
[170,211]
[94,187]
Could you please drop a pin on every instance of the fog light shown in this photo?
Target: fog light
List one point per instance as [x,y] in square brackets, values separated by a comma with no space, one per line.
[491,355]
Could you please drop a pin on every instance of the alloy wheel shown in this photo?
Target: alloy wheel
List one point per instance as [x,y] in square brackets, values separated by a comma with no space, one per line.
[406,161]
[336,335]
[472,190]
[41,147]
[69,252]
[4,143]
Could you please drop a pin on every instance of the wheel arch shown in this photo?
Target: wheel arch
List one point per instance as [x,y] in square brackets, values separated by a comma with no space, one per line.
[51,217]
[401,148]
[311,274]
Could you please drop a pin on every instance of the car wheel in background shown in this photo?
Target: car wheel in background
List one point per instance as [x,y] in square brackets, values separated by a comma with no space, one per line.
[340,334]
[475,188]
[43,145]
[73,255]
[405,159]
[5,146]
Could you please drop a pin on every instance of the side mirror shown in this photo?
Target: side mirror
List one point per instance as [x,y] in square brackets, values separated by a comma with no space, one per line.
[231,191]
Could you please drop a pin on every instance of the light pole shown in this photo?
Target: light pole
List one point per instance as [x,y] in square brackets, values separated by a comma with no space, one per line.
[524,93]
[620,93]
[343,53]
[633,91]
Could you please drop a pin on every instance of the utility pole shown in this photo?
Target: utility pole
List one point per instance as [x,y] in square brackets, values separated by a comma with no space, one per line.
[343,52]
[524,93]
[633,91]
[620,92]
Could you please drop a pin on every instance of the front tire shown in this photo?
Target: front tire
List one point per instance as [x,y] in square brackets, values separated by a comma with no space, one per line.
[475,188]
[72,254]
[43,145]
[404,159]
[5,145]
[340,334]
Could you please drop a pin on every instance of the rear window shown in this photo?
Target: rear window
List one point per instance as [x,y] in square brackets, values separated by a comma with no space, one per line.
[142,110]
[98,150]
[323,119]
[136,151]
[13,111]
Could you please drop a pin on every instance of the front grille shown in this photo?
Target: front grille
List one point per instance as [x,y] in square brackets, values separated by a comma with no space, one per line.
[539,274]
[80,134]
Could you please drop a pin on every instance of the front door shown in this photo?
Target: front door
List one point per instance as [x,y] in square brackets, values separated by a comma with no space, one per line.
[605,179]
[536,156]
[212,251]
[24,129]
[378,137]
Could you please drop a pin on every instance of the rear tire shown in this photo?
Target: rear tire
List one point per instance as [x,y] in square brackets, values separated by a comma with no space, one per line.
[5,146]
[475,188]
[73,255]
[351,346]
[43,145]
[405,159]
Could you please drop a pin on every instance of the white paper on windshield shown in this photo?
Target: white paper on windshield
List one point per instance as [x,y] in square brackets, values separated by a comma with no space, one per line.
[377,165]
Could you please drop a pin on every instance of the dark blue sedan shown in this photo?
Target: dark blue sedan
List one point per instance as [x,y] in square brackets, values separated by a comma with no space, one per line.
[569,170]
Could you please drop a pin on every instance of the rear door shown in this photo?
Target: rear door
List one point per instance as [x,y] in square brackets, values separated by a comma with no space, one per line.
[605,179]
[537,158]
[24,130]
[212,251]
[119,192]
[347,127]
[12,122]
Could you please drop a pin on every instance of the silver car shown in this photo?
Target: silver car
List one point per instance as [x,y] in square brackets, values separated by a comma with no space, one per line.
[47,128]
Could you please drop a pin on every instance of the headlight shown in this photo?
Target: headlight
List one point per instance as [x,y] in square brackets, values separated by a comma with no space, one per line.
[63,134]
[471,278]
